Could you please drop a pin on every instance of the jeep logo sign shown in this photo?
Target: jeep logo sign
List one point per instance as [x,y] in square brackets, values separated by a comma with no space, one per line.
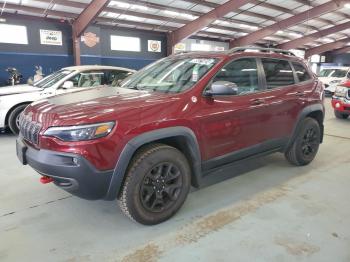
[49,37]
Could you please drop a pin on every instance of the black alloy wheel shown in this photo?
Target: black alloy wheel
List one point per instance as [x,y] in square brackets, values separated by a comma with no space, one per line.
[156,185]
[310,142]
[161,187]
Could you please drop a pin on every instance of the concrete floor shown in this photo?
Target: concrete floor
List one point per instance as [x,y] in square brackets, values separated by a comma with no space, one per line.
[274,213]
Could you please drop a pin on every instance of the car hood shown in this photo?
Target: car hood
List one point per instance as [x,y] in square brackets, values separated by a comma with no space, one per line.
[327,80]
[18,89]
[96,104]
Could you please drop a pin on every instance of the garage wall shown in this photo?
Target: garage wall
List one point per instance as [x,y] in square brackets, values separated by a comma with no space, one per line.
[51,58]
[25,57]
[343,59]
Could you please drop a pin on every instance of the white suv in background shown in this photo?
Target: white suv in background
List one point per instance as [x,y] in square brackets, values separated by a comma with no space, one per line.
[332,77]
[14,99]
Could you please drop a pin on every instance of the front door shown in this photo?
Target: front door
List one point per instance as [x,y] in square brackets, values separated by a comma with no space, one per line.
[233,123]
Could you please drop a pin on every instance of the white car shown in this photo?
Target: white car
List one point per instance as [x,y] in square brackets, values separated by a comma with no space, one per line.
[14,99]
[332,77]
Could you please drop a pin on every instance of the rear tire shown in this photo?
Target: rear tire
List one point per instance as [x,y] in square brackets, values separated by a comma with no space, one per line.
[306,143]
[13,120]
[340,115]
[156,185]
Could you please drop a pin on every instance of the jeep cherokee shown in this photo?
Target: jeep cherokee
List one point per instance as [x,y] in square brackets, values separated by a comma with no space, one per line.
[170,125]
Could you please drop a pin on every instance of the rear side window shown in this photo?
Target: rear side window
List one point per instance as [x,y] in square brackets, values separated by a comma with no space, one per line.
[302,74]
[243,73]
[278,73]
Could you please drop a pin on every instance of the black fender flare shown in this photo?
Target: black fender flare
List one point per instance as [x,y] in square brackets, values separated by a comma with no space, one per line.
[302,115]
[134,144]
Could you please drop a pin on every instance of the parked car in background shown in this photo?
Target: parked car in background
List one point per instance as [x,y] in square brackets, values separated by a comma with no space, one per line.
[341,100]
[172,125]
[332,77]
[14,99]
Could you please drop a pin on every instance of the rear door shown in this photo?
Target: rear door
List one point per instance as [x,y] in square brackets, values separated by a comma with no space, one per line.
[283,96]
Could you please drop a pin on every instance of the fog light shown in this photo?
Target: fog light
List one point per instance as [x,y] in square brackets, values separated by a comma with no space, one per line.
[337,105]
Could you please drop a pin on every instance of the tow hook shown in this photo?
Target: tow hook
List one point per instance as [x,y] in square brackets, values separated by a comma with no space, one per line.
[46,180]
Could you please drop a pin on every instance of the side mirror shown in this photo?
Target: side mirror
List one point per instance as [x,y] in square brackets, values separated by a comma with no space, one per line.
[67,85]
[222,88]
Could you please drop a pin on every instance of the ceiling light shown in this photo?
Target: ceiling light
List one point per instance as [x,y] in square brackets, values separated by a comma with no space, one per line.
[188,16]
[325,39]
[172,13]
[347,5]
[139,7]
[131,17]
[119,4]
[280,32]
[295,34]
[248,27]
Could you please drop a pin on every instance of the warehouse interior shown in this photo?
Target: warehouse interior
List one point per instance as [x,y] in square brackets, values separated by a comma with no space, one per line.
[263,210]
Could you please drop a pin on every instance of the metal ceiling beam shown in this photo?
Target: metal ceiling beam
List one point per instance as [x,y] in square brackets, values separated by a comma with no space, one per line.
[342,50]
[309,38]
[235,25]
[327,47]
[296,19]
[255,15]
[203,21]
[82,22]
[88,15]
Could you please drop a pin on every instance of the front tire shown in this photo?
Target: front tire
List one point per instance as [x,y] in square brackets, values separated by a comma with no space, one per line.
[306,143]
[13,120]
[157,183]
[340,115]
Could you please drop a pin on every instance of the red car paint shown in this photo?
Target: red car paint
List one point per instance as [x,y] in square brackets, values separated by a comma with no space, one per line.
[342,104]
[221,124]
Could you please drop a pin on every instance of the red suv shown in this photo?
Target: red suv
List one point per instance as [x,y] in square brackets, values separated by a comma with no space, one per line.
[341,100]
[171,125]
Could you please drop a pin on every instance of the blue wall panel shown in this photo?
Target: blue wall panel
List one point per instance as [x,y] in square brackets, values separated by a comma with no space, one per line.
[52,58]
[26,62]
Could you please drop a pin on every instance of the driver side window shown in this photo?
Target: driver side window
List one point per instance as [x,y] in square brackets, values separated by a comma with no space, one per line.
[243,73]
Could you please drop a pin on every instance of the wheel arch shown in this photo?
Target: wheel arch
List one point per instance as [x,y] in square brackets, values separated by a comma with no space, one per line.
[182,138]
[13,108]
[315,111]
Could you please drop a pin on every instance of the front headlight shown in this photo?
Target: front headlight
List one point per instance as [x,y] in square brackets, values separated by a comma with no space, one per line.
[335,82]
[340,91]
[80,133]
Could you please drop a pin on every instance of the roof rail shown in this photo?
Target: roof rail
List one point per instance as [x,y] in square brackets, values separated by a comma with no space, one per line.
[261,49]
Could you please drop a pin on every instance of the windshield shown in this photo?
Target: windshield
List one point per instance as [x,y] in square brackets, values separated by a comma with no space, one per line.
[52,79]
[333,73]
[170,75]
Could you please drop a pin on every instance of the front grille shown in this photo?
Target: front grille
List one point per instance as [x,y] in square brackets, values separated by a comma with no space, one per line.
[29,129]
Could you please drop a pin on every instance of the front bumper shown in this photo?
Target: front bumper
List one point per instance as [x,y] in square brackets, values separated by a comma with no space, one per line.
[71,172]
[341,104]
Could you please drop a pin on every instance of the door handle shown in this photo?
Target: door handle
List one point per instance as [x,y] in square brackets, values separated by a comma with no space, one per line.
[257,101]
[300,94]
